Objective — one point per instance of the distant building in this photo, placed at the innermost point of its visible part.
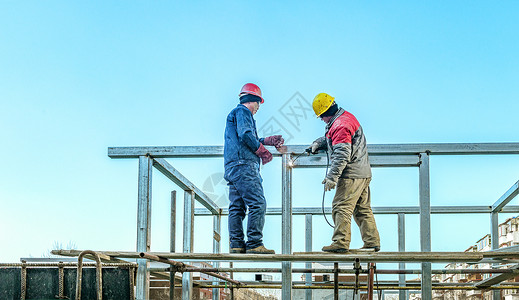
(508, 236)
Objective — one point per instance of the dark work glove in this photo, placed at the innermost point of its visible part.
(274, 140)
(264, 154)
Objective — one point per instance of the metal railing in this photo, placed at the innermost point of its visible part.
(394, 155)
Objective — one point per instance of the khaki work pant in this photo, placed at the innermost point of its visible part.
(353, 198)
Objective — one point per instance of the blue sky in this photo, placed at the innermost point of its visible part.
(79, 77)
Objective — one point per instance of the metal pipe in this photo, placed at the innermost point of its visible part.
(308, 248)
(401, 248)
(286, 225)
(336, 281)
(342, 271)
(425, 222)
(217, 221)
(99, 274)
(144, 225)
(172, 240)
(363, 287)
(389, 257)
(189, 206)
(391, 210)
(371, 273)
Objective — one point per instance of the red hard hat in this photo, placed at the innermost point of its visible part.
(252, 89)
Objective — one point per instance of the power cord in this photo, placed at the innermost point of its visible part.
(308, 151)
(324, 189)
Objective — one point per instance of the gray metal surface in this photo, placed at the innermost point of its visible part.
(373, 149)
(172, 240)
(496, 279)
(189, 206)
(401, 248)
(143, 226)
(170, 172)
(286, 226)
(319, 161)
(308, 248)
(217, 226)
(425, 223)
(276, 211)
(506, 198)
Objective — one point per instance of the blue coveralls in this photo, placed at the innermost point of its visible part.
(242, 172)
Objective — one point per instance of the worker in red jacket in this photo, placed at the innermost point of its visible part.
(349, 173)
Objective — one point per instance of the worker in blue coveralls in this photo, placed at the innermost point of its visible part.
(243, 151)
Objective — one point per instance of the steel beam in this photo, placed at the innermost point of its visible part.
(373, 149)
(189, 207)
(401, 248)
(143, 226)
(506, 198)
(308, 248)
(172, 240)
(286, 226)
(169, 171)
(217, 221)
(319, 161)
(276, 211)
(496, 279)
(425, 223)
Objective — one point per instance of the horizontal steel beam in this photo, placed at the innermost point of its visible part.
(320, 161)
(496, 279)
(373, 149)
(169, 171)
(276, 211)
(506, 198)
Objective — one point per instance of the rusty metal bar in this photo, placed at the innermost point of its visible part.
(181, 267)
(371, 273)
(99, 274)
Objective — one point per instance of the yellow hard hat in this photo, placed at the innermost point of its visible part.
(321, 103)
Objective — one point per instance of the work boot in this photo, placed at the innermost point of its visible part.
(335, 248)
(261, 250)
(237, 250)
(370, 248)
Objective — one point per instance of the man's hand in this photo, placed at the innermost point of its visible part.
(264, 154)
(329, 184)
(274, 140)
(314, 148)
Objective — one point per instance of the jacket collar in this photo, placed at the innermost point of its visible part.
(337, 114)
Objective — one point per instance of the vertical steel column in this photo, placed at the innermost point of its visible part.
(217, 221)
(494, 243)
(189, 222)
(143, 226)
(425, 223)
(286, 227)
(172, 240)
(401, 248)
(308, 248)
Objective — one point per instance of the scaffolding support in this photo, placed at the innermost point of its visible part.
(144, 226)
(172, 240)
(425, 223)
(308, 248)
(395, 155)
(286, 226)
(189, 207)
(217, 221)
(402, 294)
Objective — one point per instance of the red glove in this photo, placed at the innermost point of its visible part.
(274, 140)
(264, 154)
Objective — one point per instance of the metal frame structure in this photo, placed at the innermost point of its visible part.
(392, 155)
